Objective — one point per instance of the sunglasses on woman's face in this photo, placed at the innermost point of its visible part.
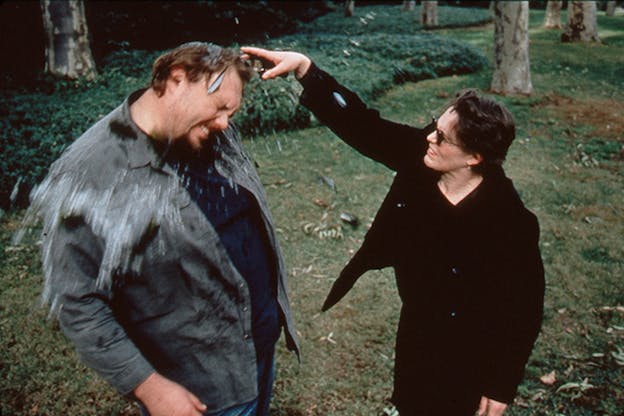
(440, 137)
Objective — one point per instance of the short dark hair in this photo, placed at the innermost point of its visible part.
(484, 126)
(198, 59)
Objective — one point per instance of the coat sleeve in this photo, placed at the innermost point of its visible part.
(521, 313)
(85, 315)
(396, 145)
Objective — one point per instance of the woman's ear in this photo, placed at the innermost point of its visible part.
(474, 160)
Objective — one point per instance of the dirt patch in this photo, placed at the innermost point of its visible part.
(606, 116)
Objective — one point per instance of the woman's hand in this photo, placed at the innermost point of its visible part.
(284, 62)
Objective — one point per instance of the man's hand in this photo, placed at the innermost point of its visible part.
(489, 407)
(284, 62)
(163, 397)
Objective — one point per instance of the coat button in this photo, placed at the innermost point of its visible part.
(453, 314)
(455, 271)
(401, 205)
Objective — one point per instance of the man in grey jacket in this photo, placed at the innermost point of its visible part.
(159, 251)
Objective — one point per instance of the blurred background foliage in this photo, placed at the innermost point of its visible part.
(41, 115)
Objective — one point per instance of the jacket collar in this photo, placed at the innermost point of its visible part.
(139, 146)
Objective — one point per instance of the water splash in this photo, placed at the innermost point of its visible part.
(120, 206)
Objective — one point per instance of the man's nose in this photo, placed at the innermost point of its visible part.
(220, 123)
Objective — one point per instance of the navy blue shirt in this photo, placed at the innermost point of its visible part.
(236, 216)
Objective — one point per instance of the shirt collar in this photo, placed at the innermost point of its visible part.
(139, 146)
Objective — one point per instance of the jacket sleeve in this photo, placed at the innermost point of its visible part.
(522, 301)
(85, 315)
(396, 145)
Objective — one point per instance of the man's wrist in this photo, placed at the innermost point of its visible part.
(144, 388)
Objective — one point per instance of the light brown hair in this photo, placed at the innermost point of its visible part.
(197, 59)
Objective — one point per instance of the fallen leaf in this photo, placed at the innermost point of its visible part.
(582, 386)
(321, 203)
(549, 379)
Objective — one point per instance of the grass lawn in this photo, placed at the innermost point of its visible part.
(567, 163)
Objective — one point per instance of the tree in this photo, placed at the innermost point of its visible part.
(349, 5)
(429, 13)
(67, 39)
(512, 73)
(552, 18)
(611, 8)
(582, 24)
(409, 5)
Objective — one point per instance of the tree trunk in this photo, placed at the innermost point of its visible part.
(582, 24)
(349, 5)
(429, 13)
(67, 39)
(611, 8)
(552, 18)
(409, 5)
(512, 72)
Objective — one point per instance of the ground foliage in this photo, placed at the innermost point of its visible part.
(567, 164)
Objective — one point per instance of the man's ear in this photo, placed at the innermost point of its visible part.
(177, 76)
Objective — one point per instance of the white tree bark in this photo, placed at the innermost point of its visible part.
(429, 13)
(409, 5)
(512, 72)
(552, 18)
(582, 24)
(349, 6)
(67, 49)
(611, 8)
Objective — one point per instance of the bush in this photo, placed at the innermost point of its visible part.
(37, 125)
(271, 106)
(390, 19)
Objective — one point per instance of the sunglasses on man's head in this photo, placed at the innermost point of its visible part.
(214, 85)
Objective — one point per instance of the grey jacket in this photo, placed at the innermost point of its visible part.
(137, 273)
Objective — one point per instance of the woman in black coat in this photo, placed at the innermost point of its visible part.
(463, 246)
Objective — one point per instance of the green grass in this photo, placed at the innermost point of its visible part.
(566, 164)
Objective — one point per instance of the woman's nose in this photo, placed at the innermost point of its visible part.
(431, 138)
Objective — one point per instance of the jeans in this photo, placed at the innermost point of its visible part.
(248, 409)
